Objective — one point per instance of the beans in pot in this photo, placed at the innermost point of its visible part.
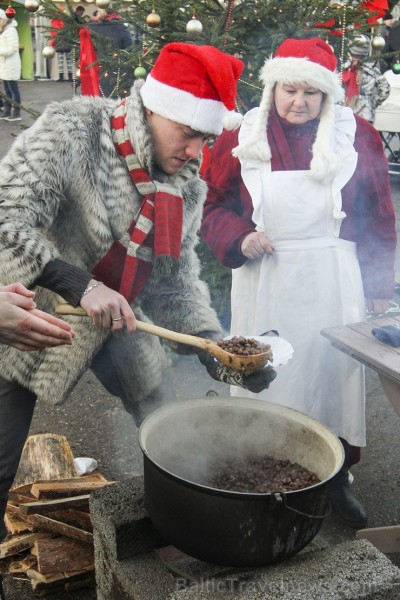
(261, 475)
(242, 346)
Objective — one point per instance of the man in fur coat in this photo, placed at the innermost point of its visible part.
(100, 204)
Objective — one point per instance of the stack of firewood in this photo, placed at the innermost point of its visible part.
(50, 539)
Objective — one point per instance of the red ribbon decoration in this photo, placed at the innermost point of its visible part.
(380, 7)
(89, 74)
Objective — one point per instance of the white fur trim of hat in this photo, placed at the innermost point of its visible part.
(195, 86)
(299, 61)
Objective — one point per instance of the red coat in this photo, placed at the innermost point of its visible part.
(370, 220)
(56, 24)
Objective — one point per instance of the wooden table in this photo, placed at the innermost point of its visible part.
(357, 341)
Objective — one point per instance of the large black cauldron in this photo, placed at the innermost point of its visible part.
(181, 440)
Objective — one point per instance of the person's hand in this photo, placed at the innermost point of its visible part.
(255, 382)
(255, 245)
(24, 327)
(377, 306)
(19, 288)
(108, 308)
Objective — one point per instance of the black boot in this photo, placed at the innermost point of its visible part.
(343, 503)
(6, 111)
(15, 115)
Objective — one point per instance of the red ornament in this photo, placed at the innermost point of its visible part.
(10, 12)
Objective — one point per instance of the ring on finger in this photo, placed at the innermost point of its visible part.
(117, 319)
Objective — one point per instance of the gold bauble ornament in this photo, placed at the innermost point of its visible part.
(31, 5)
(153, 19)
(48, 52)
(336, 4)
(194, 26)
(378, 42)
(78, 74)
(103, 3)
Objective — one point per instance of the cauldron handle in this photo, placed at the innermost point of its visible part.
(280, 498)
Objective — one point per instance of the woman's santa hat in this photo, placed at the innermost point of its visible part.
(310, 62)
(195, 86)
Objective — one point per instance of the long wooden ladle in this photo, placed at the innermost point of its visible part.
(235, 361)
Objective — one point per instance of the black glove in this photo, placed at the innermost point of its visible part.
(255, 382)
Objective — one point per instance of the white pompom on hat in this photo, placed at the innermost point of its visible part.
(195, 86)
(310, 62)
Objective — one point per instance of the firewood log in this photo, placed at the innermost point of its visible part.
(45, 456)
(65, 489)
(45, 506)
(20, 543)
(63, 554)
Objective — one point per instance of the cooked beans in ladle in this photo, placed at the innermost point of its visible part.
(243, 346)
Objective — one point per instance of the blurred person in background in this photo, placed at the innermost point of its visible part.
(10, 68)
(393, 42)
(79, 15)
(365, 86)
(109, 32)
(62, 68)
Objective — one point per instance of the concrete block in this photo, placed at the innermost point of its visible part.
(146, 577)
(350, 571)
(128, 569)
(142, 577)
(120, 519)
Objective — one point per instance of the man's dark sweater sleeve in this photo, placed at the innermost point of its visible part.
(64, 279)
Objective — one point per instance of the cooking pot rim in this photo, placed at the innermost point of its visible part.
(233, 401)
(183, 405)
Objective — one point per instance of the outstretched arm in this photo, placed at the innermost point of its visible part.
(26, 328)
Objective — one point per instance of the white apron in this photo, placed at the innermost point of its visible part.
(312, 281)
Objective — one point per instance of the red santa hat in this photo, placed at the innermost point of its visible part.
(312, 62)
(195, 86)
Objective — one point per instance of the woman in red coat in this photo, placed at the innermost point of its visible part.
(302, 213)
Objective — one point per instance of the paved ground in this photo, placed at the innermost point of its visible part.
(96, 425)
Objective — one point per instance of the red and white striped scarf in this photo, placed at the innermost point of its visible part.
(154, 237)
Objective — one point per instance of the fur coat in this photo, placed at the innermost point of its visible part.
(374, 89)
(65, 193)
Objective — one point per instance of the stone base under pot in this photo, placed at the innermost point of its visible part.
(134, 563)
